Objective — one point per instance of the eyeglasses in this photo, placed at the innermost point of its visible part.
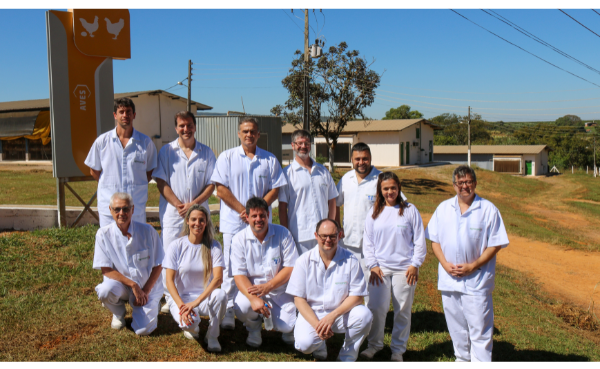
(302, 144)
(125, 209)
(324, 237)
(462, 183)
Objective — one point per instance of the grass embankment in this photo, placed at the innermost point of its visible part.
(49, 311)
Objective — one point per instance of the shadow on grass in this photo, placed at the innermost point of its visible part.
(421, 186)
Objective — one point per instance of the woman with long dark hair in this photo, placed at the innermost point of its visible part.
(194, 264)
(394, 248)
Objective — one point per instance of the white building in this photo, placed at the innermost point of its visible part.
(392, 142)
(531, 160)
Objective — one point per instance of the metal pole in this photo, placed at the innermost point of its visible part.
(60, 200)
(189, 102)
(469, 129)
(306, 103)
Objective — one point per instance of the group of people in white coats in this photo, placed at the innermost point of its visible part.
(309, 277)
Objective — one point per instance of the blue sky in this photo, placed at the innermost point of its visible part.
(434, 60)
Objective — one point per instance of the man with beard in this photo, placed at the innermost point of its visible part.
(309, 195)
(357, 190)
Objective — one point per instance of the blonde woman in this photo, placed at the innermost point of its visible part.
(394, 248)
(194, 265)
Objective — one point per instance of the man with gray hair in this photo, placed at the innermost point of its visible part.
(309, 195)
(467, 232)
(241, 173)
(130, 255)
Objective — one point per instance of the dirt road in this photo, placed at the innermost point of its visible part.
(569, 275)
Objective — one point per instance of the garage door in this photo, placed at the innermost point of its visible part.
(507, 166)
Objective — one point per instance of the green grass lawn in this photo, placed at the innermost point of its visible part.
(49, 311)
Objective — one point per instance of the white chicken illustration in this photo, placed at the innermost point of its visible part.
(90, 27)
(114, 28)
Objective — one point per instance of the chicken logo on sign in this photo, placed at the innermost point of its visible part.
(108, 31)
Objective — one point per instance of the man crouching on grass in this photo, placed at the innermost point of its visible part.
(130, 255)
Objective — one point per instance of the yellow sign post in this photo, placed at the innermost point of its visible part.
(81, 46)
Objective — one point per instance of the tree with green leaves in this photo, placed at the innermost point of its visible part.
(341, 84)
(569, 120)
(402, 112)
(455, 130)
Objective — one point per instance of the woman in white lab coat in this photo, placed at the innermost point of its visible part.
(194, 265)
(394, 248)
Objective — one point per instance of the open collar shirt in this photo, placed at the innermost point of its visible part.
(134, 257)
(261, 261)
(463, 238)
(245, 178)
(123, 168)
(326, 288)
(186, 177)
(307, 195)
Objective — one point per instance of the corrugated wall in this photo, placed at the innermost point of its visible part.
(220, 132)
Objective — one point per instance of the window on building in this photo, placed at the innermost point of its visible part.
(341, 153)
(418, 132)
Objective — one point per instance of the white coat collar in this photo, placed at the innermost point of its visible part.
(135, 135)
(258, 153)
(130, 229)
(297, 166)
(251, 236)
(476, 204)
(316, 256)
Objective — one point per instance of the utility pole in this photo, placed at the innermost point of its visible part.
(189, 102)
(594, 156)
(306, 105)
(469, 132)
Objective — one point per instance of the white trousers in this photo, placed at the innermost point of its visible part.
(106, 219)
(283, 312)
(394, 286)
(357, 252)
(305, 246)
(470, 320)
(355, 324)
(114, 294)
(168, 235)
(228, 284)
(214, 306)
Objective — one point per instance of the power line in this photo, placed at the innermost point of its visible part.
(491, 101)
(292, 20)
(245, 65)
(579, 22)
(489, 93)
(245, 73)
(220, 79)
(530, 53)
(539, 40)
(595, 12)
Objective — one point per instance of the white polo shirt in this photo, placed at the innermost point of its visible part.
(245, 178)
(185, 258)
(357, 200)
(326, 289)
(261, 262)
(186, 177)
(123, 169)
(307, 195)
(392, 241)
(134, 257)
(463, 238)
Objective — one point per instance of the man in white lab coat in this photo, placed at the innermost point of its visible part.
(328, 286)
(183, 179)
(262, 258)
(130, 255)
(241, 173)
(309, 195)
(122, 160)
(467, 232)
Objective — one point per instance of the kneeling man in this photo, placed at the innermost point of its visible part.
(262, 258)
(328, 284)
(130, 255)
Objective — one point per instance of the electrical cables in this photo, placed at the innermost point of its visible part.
(579, 22)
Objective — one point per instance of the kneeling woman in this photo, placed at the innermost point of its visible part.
(394, 248)
(194, 265)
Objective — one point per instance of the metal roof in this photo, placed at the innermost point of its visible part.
(490, 149)
(355, 126)
(44, 104)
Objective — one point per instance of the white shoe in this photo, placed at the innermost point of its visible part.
(228, 322)
(254, 339)
(118, 322)
(321, 352)
(369, 352)
(165, 309)
(288, 338)
(396, 356)
(190, 335)
(213, 343)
